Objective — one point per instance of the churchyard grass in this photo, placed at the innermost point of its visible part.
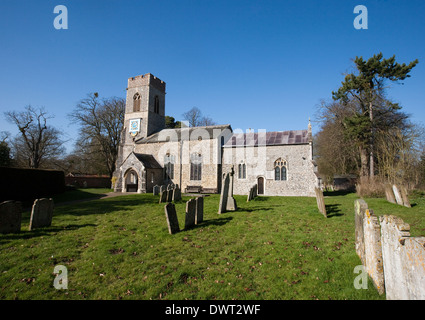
(80, 194)
(120, 248)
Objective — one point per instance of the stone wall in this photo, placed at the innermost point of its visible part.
(394, 260)
(260, 160)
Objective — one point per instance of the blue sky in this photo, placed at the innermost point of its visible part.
(251, 64)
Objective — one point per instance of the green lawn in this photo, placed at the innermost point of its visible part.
(119, 248)
(81, 194)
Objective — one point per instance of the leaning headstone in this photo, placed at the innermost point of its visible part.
(360, 207)
(41, 214)
(224, 194)
(10, 216)
(255, 190)
(389, 193)
(190, 214)
(171, 215)
(249, 197)
(155, 190)
(231, 202)
(162, 195)
(170, 193)
(320, 201)
(373, 260)
(404, 197)
(397, 195)
(177, 195)
(199, 216)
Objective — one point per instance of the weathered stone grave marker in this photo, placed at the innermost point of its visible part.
(224, 194)
(397, 195)
(404, 197)
(155, 190)
(190, 214)
(162, 194)
(171, 215)
(170, 195)
(389, 194)
(10, 216)
(199, 216)
(231, 202)
(41, 214)
(320, 201)
(177, 195)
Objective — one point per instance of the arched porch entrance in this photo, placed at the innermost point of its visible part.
(131, 181)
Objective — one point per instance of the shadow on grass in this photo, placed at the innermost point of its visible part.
(120, 203)
(332, 210)
(26, 234)
(337, 193)
(256, 209)
(212, 222)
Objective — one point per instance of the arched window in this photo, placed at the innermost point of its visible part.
(156, 105)
(136, 102)
(169, 167)
(242, 171)
(196, 166)
(280, 167)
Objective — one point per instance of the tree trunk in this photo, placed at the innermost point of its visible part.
(371, 161)
(363, 162)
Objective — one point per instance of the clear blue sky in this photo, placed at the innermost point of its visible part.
(251, 64)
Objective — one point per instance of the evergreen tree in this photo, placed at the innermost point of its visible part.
(367, 90)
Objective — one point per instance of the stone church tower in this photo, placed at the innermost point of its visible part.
(145, 106)
(144, 113)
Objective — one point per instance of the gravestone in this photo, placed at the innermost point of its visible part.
(162, 195)
(177, 195)
(231, 202)
(170, 193)
(224, 194)
(320, 201)
(397, 195)
(171, 216)
(199, 216)
(155, 190)
(389, 194)
(404, 197)
(360, 207)
(41, 214)
(249, 197)
(10, 216)
(190, 214)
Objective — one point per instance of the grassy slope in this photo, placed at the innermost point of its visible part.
(271, 248)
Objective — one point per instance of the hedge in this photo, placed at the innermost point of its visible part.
(29, 184)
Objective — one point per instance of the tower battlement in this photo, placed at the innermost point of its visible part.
(146, 80)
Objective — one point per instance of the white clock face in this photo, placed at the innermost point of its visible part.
(134, 125)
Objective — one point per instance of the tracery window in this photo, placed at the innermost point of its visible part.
(280, 169)
(242, 171)
(196, 166)
(169, 166)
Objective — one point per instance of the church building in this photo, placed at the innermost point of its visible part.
(196, 158)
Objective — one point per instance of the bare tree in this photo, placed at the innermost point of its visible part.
(37, 141)
(195, 118)
(101, 122)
